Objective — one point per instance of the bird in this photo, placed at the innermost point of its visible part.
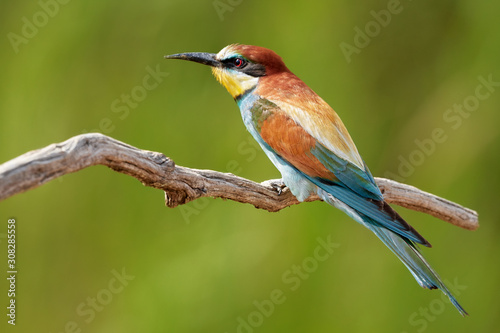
(310, 146)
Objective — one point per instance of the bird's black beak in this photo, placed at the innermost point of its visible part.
(201, 57)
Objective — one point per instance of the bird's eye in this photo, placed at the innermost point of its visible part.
(239, 63)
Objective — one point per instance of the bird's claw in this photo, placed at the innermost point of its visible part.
(278, 185)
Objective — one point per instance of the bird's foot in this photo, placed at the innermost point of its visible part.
(277, 184)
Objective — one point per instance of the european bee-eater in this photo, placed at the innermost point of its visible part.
(308, 143)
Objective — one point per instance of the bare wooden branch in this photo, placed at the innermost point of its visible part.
(182, 185)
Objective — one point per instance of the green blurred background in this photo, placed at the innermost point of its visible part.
(210, 265)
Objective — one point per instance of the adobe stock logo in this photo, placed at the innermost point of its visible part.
(453, 118)
(421, 319)
(222, 7)
(292, 278)
(247, 150)
(363, 38)
(31, 26)
(131, 99)
(88, 310)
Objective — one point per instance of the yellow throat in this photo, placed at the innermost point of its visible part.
(236, 83)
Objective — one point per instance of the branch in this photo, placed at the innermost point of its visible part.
(182, 185)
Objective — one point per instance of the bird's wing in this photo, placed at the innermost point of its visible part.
(325, 164)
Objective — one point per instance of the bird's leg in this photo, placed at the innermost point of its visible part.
(277, 184)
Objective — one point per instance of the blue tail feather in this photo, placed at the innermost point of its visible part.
(407, 252)
(404, 248)
(378, 210)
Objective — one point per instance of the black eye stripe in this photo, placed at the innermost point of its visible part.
(240, 64)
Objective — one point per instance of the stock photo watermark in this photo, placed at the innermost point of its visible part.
(123, 105)
(363, 36)
(87, 310)
(453, 117)
(248, 150)
(292, 279)
(420, 319)
(30, 26)
(223, 6)
(11, 271)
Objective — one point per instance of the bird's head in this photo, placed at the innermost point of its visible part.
(238, 67)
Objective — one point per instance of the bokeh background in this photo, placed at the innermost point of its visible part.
(211, 265)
